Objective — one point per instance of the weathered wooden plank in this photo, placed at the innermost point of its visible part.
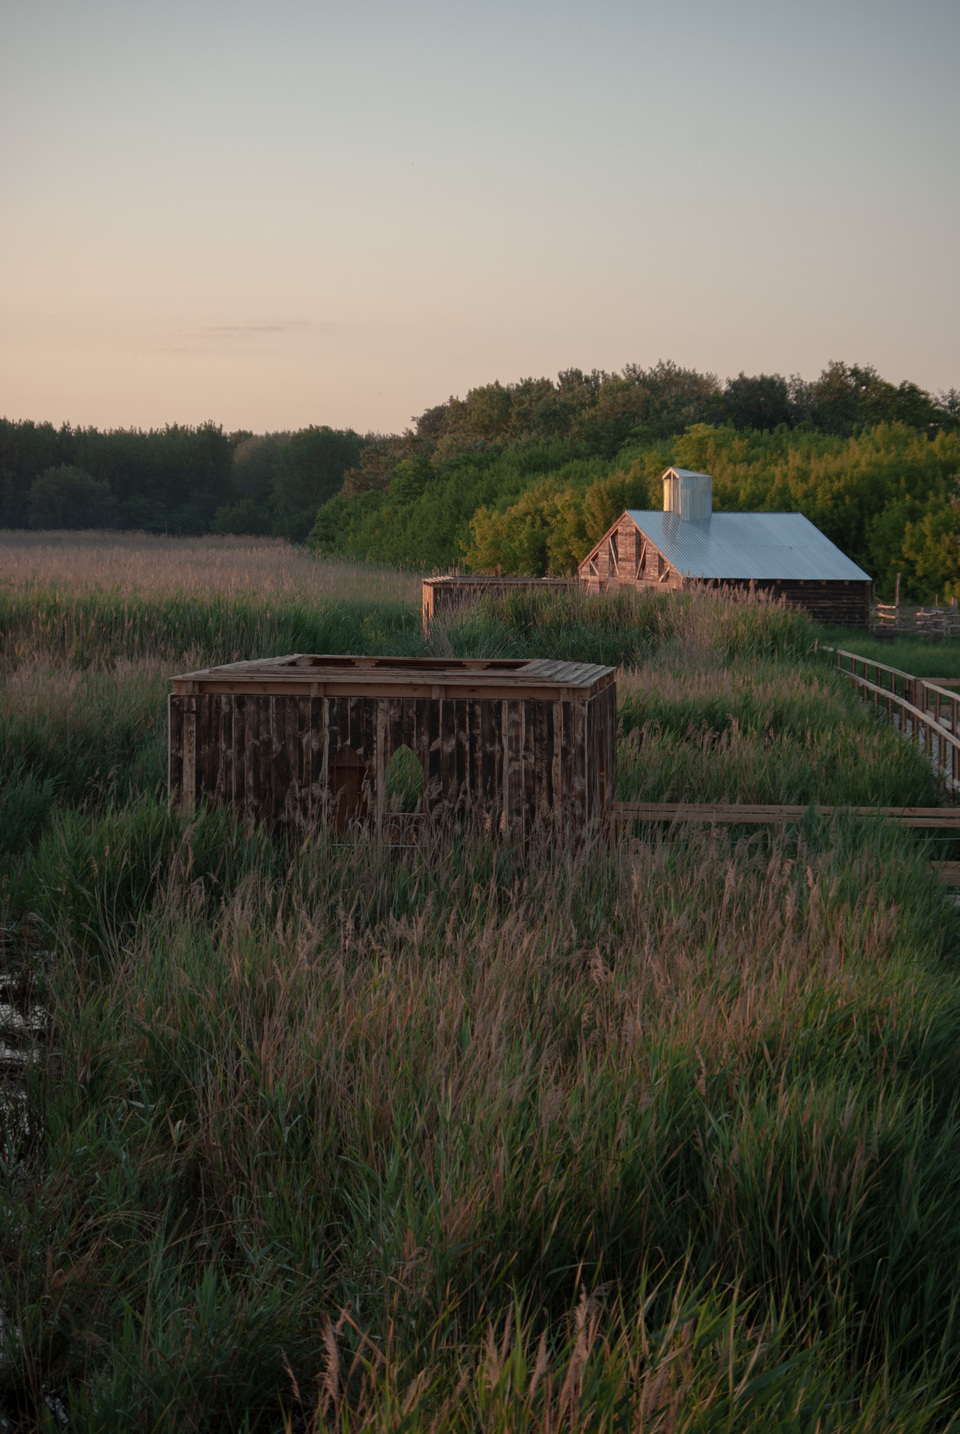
(238, 790)
(292, 801)
(203, 745)
(304, 751)
(512, 800)
(543, 773)
(749, 813)
(265, 759)
(188, 797)
(175, 749)
(461, 738)
(529, 764)
(224, 789)
(491, 753)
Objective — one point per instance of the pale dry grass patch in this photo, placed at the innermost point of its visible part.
(38, 686)
(154, 565)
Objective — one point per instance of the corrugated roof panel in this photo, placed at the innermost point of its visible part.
(742, 546)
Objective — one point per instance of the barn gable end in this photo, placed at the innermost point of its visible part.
(781, 553)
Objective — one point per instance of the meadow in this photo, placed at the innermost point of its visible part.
(658, 1137)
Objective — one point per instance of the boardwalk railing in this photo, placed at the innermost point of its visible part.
(625, 814)
(926, 711)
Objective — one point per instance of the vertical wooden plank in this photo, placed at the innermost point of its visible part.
(238, 795)
(251, 774)
(175, 749)
(307, 796)
(529, 763)
(461, 746)
(188, 799)
(265, 723)
(210, 759)
(512, 722)
(323, 718)
(385, 721)
(225, 769)
(203, 744)
(574, 769)
(291, 806)
(556, 767)
(434, 795)
(491, 740)
(543, 753)
(475, 755)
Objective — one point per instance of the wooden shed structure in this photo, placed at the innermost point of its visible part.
(301, 740)
(445, 596)
(781, 553)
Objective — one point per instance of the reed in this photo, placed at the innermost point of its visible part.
(657, 1137)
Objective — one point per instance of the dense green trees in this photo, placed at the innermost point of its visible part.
(67, 497)
(525, 476)
(176, 479)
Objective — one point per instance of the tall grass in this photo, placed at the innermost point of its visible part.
(661, 1137)
(446, 1119)
(150, 565)
(627, 627)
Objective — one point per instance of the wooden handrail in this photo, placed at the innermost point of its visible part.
(752, 813)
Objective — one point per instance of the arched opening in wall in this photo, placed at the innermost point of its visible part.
(348, 800)
(403, 780)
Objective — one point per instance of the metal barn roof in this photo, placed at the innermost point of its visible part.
(747, 545)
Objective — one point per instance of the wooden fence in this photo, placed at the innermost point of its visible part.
(925, 710)
(625, 814)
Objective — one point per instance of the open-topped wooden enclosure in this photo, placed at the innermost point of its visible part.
(301, 740)
(444, 597)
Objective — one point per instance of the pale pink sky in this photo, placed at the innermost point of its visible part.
(274, 215)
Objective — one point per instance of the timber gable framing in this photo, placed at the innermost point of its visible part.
(626, 556)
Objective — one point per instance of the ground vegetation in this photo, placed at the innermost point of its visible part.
(662, 1136)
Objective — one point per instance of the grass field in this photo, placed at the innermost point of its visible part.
(658, 1138)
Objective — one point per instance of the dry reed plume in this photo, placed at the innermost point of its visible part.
(151, 565)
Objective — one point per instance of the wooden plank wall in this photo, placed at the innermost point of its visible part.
(443, 600)
(627, 559)
(520, 762)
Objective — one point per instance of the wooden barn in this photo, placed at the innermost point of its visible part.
(443, 597)
(781, 553)
(297, 741)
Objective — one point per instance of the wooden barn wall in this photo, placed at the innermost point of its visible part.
(626, 559)
(519, 762)
(617, 563)
(839, 604)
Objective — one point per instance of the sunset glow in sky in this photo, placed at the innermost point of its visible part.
(275, 215)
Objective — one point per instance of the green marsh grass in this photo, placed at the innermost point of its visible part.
(656, 1138)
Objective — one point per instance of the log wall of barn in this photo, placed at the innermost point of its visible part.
(837, 603)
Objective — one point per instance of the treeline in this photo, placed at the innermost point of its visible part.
(172, 480)
(524, 478)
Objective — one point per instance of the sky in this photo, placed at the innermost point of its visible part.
(271, 215)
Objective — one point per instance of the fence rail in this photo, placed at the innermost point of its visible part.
(752, 813)
(747, 814)
(926, 711)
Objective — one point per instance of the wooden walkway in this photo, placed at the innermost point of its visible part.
(925, 711)
(625, 814)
